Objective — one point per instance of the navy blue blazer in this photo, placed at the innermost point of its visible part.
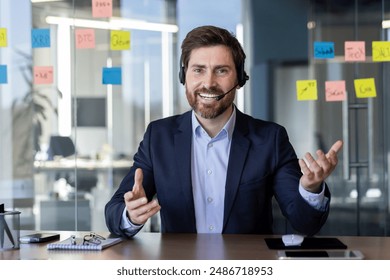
(262, 164)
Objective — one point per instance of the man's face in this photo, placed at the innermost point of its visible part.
(211, 72)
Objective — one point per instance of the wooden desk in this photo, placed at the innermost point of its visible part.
(156, 246)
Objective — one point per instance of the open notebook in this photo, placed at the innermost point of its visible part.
(67, 244)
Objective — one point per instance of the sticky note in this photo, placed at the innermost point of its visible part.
(365, 88)
(112, 75)
(307, 90)
(380, 51)
(40, 38)
(3, 74)
(43, 74)
(85, 38)
(323, 50)
(101, 8)
(354, 51)
(335, 91)
(120, 40)
(3, 37)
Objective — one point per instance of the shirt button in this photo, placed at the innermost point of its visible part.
(209, 199)
(210, 145)
(211, 228)
(209, 171)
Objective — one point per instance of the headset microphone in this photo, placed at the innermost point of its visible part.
(219, 97)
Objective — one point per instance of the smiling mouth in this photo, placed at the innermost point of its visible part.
(208, 96)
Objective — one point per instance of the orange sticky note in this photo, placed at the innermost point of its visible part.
(365, 88)
(101, 8)
(335, 91)
(380, 51)
(120, 40)
(85, 38)
(355, 51)
(307, 90)
(43, 74)
(3, 37)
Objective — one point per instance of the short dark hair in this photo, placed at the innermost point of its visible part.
(208, 35)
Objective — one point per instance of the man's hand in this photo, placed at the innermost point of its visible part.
(316, 171)
(137, 206)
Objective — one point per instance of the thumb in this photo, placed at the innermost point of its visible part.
(138, 189)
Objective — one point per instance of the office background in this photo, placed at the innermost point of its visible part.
(65, 145)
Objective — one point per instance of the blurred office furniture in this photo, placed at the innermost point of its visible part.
(61, 146)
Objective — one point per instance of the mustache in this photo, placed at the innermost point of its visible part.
(211, 90)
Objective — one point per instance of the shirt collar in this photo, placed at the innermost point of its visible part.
(228, 127)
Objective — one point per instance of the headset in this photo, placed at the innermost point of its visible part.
(242, 77)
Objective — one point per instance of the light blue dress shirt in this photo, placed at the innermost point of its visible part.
(209, 163)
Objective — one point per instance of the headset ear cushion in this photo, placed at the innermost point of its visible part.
(182, 77)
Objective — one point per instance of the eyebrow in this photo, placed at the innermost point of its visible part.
(204, 66)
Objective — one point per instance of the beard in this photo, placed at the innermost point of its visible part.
(209, 110)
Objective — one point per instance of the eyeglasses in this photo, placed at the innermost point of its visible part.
(93, 238)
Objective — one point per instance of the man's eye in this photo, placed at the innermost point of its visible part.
(222, 71)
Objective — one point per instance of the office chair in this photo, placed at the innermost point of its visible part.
(60, 146)
(63, 146)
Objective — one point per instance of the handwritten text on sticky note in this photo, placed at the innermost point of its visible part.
(3, 37)
(307, 90)
(335, 91)
(120, 40)
(85, 38)
(101, 8)
(365, 88)
(3, 74)
(380, 51)
(355, 51)
(323, 49)
(43, 74)
(40, 38)
(112, 75)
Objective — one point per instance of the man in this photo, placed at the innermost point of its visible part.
(214, 169)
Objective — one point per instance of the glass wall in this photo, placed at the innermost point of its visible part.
(83, 80)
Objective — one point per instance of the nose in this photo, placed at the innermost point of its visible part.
(209, 79)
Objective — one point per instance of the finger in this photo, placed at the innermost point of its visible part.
(313, 165)
(136, 203)
(336, 147)
(304, 168)
(141, 214)
(138, 189)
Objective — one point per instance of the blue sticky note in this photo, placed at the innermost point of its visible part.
(323, 49)
(3, 74)
(40, 38)
(112, 76)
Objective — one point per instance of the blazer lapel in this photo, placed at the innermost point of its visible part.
(183, 140)
(238, 153)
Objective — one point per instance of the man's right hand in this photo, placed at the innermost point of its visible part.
(139, 210)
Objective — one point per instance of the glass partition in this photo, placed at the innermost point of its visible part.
(84, 79)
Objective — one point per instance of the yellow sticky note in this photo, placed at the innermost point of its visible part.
(307, 90)
(120, 40)
(365, 88)
(3, 37)
(380, 51)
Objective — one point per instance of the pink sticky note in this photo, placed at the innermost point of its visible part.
(101, 8)
(85, 38)
(355, 51)
(335, 91)
(43, 74)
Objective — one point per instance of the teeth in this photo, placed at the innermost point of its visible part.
(207, 96)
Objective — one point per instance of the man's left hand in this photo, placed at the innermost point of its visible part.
(315, 171)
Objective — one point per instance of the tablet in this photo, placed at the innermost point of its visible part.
(39, 237)
(320, 254)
